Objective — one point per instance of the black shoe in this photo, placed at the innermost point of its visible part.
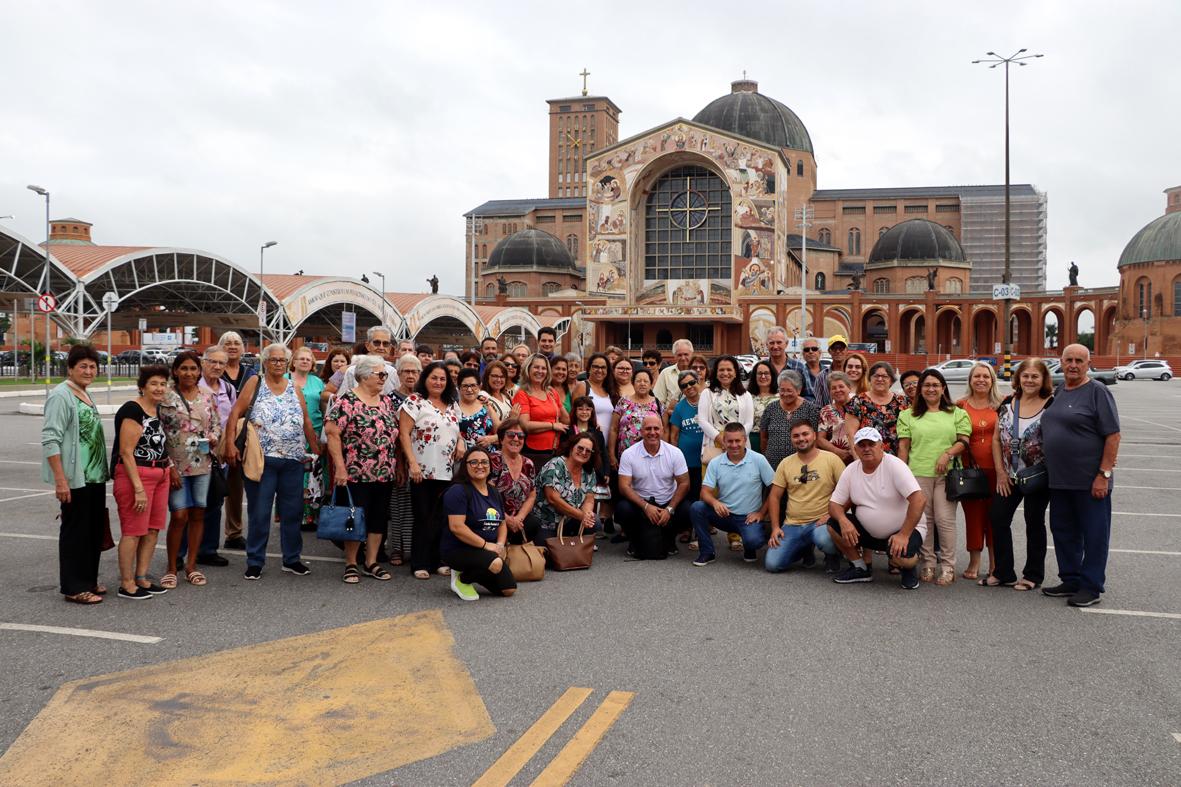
(155, 589)
(212, 560)
(750, 555)
(853, 574)
(307, 527)
(704, 560)
(140, 594)
(1084, 598)
(832, 564)
(1060, 591)
(809, 558)
(910, 579)
(299, 569)
(253, 572)
(609, 526)
(235, 543)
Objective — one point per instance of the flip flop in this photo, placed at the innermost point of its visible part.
(422, 573)
(1025, 584)
(195, 578)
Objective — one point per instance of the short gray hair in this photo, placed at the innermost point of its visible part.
(791, 376)
(376, 329)
(230, 336)
(213, 348)
(366, 365)
(777, 329)
(835, 375)
(409, 359)
(270, 348)
(683, 342)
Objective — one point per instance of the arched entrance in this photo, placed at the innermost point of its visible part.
(873, 328)
(947, 331)
(1051, 330)
(1107, 335)
(912, 329)
(984, 333)
(1021, 325)
(1084, 327)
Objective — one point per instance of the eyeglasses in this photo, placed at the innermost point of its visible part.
(514, 435)
(381, 375)
(697, 368)
(478, 463)
(511, 365)
(380, 343)
(598, 367)
(763, 373)
(811, 349)
(276, 360)
(650, 363)
(581, 449)
(687, 384)
(469, 387)
(879, 377)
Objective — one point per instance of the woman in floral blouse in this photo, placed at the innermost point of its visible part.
(478, 421)
(191, 429)
(567, 483)
(832, 435)
(629, 414)
(362, 432)
(878, 407)
(429, 431)
(513, 476)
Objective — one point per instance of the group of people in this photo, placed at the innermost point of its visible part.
(451, 460)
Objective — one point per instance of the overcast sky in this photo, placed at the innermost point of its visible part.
(356, 134)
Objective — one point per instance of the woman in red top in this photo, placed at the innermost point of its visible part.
(980, 404)
(541, 412)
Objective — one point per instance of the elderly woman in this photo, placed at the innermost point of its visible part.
(574, 366)
(140, 462)
(541, 411)
(401, 518)
(474, 541)
(236, 374)
(362, 431)
(931, 434)
(878, 407)
(429, 433)
(513, 475)
(192, 428)
(629, 415)
(280, 417)
(685, 433)
(832, 435)
(74, 452)
(303, 364)
(763, 390)
(477, 421)
(775, 426)
(567, 483)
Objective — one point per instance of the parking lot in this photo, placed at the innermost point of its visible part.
(630, 673)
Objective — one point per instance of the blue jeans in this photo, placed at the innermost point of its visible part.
(797, 538)
(1081, 526)
(281, 478)
(703, 516)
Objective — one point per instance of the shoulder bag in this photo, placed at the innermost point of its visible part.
(340, 523)
(247, 442)
(1030, 480)
(525, 560)
(966, 481)
(570, 553)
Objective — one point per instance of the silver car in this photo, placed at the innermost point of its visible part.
(1148, 369)
(956, 370)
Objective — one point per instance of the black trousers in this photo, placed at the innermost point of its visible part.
(372, 497)
(79, 544)
(1001, 516)
(648, 541)
(426, 499)
(866, 541)
(472, 564)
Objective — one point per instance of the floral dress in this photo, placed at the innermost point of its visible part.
(368, 437)
(832, 426)
(725, 407)
(186, 422)
(556, 475)
(513, 491)
(631, 417)
(883, 417)
(478, 424)
(434, 437)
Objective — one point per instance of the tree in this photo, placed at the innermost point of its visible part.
(1052, 335)
(1087, 340)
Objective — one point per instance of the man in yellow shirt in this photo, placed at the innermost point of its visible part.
(808, 476)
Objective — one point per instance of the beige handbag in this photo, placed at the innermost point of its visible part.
(251, 455)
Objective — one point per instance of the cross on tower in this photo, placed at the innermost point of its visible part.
(584, 75)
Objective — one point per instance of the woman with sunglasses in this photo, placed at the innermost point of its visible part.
(514, 374)
(764, 391)
(477, 422)
(476, 534)
(567, 484)
(685, 432)
(513, 476)
(362, 431)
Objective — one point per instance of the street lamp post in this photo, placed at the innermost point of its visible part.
(1145, 315)
(262, 305)
(803, 218)
(382, 275)
(48, 288)
(993, 60)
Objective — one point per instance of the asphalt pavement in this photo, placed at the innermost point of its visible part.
(726, 674)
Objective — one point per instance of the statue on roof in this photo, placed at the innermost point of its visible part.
(502, 285)
(1073, 274)
(855, 284)
(434, 282)
(931, 274)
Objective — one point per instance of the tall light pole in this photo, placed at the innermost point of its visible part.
(804, 216)
(48, 288)
(262, 303)
(1144, 314)
(993, 60)
(383, 322)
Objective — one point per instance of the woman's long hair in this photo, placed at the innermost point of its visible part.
(920, 402)
(736, 387)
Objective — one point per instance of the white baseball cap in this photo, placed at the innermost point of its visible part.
(867, 433)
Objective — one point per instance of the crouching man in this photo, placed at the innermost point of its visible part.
(888, 507)
(808, 478)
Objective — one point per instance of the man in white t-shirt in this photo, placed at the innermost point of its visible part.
(653, 484)
(889, 511)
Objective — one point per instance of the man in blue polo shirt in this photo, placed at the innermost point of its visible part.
(733, 497)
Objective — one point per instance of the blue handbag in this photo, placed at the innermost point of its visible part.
(341, 523)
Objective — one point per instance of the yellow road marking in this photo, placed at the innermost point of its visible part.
(570, 758)
(512, 761)
(325, 708)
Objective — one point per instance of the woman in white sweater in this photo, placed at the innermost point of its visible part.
(726, 400)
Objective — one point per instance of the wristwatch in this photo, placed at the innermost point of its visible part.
(1105, 473)
(670, 510)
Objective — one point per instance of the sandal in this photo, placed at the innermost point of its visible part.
(1026, 584)
(443, 571)
(99, 590)
(195, 578)
(945, 578)
(168, 581)
(85, 597)
(927, 574)
(992, 582)
(351, 576)
(377, 572)
(422, 573)
(396, 560)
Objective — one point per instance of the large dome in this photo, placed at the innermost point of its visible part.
(917, 239)
(1159, 240)
(749, 113)
(530, 248)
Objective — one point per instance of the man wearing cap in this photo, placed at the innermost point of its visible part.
(838, 345)
(889, 511)
(733, 497)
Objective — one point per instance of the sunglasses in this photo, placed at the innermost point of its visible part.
(514, 435)
(511, 365)
(811, 349)
(687, 384)
(378, 343)
(582, 449)
(650, 363)
(381, 375)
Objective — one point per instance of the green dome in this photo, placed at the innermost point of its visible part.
(1159, 240)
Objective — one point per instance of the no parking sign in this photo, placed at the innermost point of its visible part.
(46, 303)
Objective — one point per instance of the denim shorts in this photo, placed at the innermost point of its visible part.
(193, 492)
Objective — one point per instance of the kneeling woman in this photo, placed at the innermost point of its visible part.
(473, 543)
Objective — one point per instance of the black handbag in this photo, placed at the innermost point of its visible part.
(967, 481)
(340, 523)
(1030, 480)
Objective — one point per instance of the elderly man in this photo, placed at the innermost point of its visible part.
(812, 370)
(733, 497)
(777, 351)
(653, 485)
(838, 346)
(547, 342)
(1080, 435)
(808, 477)
(405, 347)
(889, 511)
(378, 341)
(668, 390)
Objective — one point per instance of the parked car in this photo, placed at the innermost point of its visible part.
(956, 370)
(1105, 376)
(1149, 369)
(128, 356)
(153, 356)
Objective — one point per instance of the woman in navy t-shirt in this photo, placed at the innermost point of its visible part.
(474, 541)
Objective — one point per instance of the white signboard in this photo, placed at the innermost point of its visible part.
(143, 324)
(162, 341)
(348, 327)
(1131, 348)
(110, 301)
(1006, 292)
